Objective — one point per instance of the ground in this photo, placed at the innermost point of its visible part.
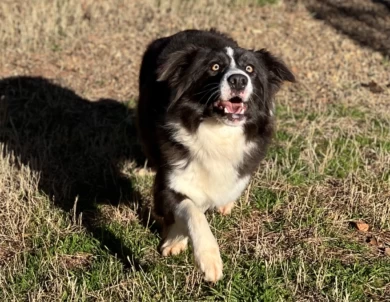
(75, 221)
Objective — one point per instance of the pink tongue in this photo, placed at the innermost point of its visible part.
(232, 107)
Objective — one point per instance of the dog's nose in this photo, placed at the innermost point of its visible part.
(237, 81)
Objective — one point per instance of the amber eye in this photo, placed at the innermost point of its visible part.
(215, 67)
(249, 69)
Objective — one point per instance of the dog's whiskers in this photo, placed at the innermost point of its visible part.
(207, 90)
(211, 96)
(213, 91)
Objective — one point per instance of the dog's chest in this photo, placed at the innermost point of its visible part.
(210, 176)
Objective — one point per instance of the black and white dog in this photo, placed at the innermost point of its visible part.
(205, 118)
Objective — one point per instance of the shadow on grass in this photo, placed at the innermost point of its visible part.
(367, 22)
(78, 146)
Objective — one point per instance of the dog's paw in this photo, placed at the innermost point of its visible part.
(226, 209)
(144, 172)
(174, 247)
(210, 263)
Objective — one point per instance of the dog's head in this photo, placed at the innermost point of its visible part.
(231, 84)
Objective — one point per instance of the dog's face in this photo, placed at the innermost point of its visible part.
(232, 85)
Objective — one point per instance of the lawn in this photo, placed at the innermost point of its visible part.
(75, 218)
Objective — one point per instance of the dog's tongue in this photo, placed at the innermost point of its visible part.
(232, 107)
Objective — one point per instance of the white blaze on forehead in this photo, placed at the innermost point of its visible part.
(226, 92)
(230, 53)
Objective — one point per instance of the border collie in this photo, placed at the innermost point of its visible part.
(205, 118)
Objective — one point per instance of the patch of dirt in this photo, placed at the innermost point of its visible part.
(8, 249)
(79, 260)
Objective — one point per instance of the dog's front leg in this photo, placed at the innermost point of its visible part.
(206, 250)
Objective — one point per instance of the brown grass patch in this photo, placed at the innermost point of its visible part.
(76, 261)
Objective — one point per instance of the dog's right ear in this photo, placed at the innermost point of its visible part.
(278, 69)
(174, 66)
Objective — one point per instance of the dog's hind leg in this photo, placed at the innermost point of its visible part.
(175, 239)
(226, 209)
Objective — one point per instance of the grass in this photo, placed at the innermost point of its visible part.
(75, 214)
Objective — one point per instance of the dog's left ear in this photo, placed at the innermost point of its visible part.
(174, 65)
(175, 71)
(279, 72)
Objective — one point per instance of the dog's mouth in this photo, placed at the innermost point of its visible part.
(234, 108)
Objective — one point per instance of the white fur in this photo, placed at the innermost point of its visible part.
(176, 239)
(206, 251)
(271, 111)
(211, 178)
(226, 92)
(230, 53)
(226, 209)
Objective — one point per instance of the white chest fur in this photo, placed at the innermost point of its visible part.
(210, 177)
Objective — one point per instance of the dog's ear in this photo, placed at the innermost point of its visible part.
(278, 70)
(172, 68)
(180, 70)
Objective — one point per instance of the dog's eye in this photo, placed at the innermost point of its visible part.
(249, 68)
(215, 67)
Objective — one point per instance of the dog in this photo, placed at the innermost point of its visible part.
(205, 119)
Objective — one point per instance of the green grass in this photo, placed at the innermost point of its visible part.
(289, 237)
(266, 199)
(275, 257)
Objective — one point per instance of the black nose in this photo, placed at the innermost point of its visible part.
(237, 81)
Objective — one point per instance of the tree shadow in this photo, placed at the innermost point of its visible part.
(77, 146)
(365, 21)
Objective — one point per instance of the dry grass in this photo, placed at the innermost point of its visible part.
(74, 212)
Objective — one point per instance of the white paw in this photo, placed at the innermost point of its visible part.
(174, 247)
(226, 209)
(210, 263)
(144, 172)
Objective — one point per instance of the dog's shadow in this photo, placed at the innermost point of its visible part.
(76, 145)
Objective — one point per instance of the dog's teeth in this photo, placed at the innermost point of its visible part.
(226, 111)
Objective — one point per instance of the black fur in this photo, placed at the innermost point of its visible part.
(174, 78)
